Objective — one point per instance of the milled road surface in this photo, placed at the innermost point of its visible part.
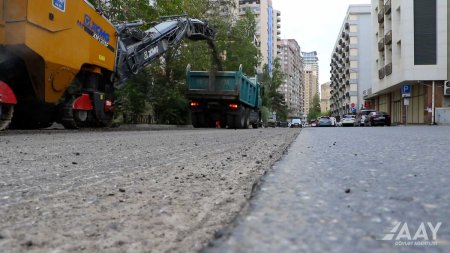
(156, 191)
(343, 189)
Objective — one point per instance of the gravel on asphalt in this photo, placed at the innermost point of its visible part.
(128, 191)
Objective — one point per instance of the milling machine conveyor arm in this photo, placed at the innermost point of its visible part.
(138, 49)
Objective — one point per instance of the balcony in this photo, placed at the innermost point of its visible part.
(388, 38)
(387, 7)
(388, 69)
(381, 73)
(381, 16)
(381, 45)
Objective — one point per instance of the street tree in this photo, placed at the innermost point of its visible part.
(314, 110)
(273, 99)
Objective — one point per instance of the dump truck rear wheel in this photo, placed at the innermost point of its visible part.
(239, 120)
(247, 118)
(6, 114)
(198, 120)
(230, 121)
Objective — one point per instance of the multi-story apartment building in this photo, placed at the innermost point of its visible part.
(325, 95)
(268, 23)
(410, 42)
(351, 70)
(311, 65)
(276, 35)
(292, 65)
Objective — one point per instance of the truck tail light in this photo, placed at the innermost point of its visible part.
(233, 106)
(109, 107)
(195, 104)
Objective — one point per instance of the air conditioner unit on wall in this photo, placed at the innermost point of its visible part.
(447, 88)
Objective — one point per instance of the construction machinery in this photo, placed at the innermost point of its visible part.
(61, 60)
(223, 99)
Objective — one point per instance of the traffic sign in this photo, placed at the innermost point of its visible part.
(406, 88)
(406, 101)
(353, 110)
(353, 105)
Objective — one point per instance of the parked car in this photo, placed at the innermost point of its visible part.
(325, 121)
(296, 123)
(333, 121)
(361, 117)
(348, 120)
(313, 123)
(282, 124)
(379, 119)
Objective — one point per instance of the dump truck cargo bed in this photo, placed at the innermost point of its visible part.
(231, 85)
(223, 99)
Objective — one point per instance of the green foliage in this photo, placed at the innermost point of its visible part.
(237, 43)
(327, 113)
(265, 114)
(272, 98)
(314, 110)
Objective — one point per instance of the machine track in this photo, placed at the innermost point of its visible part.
(6, 114)
(67, 119)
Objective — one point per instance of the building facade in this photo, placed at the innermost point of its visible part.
(293, 86)
(311, 66)
(268, 24)
(410, 41)
(325, 95)
(351, 69)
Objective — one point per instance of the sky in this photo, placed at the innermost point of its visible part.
(315, 25)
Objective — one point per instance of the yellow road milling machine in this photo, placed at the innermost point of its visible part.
(61, 60)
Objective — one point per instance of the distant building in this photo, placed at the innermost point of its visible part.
(293, 86)
(268, 24)
(311, 64)
(351, 67)
(325, 95)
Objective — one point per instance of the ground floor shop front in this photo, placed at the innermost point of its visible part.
(419, 107)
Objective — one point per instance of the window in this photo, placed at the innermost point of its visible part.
(425, 32)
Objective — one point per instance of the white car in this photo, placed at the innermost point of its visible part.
(348, 120)
(296, 123)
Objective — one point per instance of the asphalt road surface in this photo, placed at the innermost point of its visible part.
(346, 189)
(128, 191)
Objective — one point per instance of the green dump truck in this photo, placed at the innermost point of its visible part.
(225, 99)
